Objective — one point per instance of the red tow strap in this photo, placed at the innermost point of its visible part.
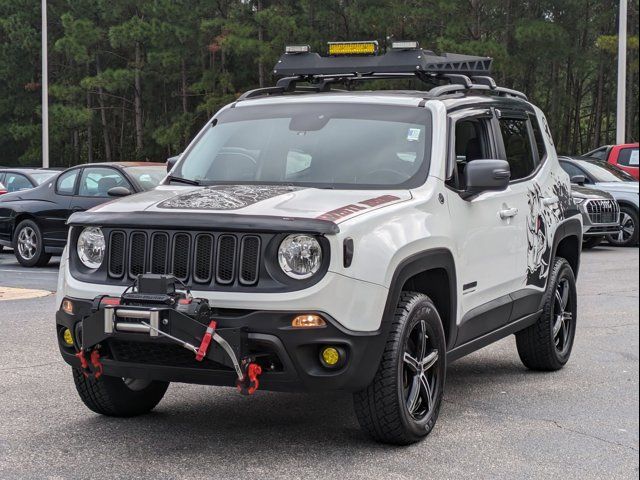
(206, 340)
(94, 358)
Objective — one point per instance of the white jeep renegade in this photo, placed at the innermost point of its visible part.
(311, 238)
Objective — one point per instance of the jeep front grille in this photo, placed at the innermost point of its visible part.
(603, 211)
(193, 257)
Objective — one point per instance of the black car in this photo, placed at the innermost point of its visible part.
(33, 222)
(17, 179)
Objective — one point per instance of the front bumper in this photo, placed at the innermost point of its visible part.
(291, 357)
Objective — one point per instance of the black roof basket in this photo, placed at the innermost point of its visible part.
(394, 61)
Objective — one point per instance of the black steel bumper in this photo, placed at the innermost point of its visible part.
(290, 358)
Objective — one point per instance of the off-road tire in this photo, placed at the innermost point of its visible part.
(380, 407)
(537, 343)
(632, 240)
(40, 257)
(112, 397)
(591, 242)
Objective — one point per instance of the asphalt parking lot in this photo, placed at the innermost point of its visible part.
(498, 419)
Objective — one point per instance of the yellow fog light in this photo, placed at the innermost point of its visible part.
(308, 321)
(67, 337)
(67, 306)
(332, 357)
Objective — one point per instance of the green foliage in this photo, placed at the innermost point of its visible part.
(195, 56)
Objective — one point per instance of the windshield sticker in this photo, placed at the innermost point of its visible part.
(413, 135)
(226, 197)
(347, 210)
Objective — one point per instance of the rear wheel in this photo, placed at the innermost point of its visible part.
(547, 344)
(591, 242)
(628, 234)
(119, 397)
(28, 245)
(402, 403)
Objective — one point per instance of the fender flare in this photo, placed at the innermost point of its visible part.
(571, 227)
(437, 258)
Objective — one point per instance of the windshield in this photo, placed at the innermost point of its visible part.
(605, 172)
(323, 145)
(147, 177)
(42, 177)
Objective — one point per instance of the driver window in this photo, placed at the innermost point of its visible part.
(96, 182)
(470, 144)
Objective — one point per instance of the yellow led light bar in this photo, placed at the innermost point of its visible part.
(353, 48)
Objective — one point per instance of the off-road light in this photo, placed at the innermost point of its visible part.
(331, 357)
(67, 306)
(405, 45)
(308, 321)
(353, 48)
(297, 49)
(300, 256)
(91, 246)
(67, 337)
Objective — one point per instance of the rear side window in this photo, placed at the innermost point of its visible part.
(517, 145)
(628, 157)
(537, 135)
(67, 182)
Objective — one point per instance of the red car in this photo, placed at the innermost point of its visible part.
(623, 156)
(3, 190)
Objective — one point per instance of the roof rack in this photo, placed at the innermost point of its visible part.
(300, 65)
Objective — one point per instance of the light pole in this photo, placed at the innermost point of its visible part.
(622, 73)
(45, 90)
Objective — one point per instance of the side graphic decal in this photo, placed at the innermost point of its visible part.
(541, 223)
(226, 197)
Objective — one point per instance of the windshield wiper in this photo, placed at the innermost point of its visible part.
(173, 178)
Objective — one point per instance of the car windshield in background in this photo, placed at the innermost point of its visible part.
(42, 177)
(605, 172)
(313, 144)
(148, 177)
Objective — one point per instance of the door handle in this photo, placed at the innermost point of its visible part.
(550, 201)
(508, 213)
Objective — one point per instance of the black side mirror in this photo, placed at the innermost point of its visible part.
(579, 179)
(118, 192)
(486, 175)
(171, 162)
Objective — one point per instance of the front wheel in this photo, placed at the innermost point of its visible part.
(28, 245)
(402, 403)
(628, 234)
(546, 345)
(119, 397)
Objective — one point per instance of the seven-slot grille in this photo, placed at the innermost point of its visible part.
(603, 211)
(202, 257)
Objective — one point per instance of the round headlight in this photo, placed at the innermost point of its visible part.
(300, 256)
(91, 246)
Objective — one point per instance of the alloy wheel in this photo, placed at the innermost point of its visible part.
(627, 228)
(27, 243)
(563, 316)
(420, 372)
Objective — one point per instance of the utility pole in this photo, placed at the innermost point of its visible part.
(622, 73)
(45, 90)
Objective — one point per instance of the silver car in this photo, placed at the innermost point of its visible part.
(596, 174)
(600, 214)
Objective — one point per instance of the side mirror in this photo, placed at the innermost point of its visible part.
(579, 179)
(171, 162)
(118, 192)
(486, 175)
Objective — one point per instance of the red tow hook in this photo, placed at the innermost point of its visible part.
(250, 383)
(206, 340)
(94, 357)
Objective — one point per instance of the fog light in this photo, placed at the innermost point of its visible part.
(67, 337)
(67, 306)
(308, 321)
(332, 357)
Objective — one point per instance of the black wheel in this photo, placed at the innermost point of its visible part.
(591, 242)
(119, 397)
(402, 403)
(28, 246)
(628, 235)
(547, 344)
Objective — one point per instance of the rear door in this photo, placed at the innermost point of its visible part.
(54, 216)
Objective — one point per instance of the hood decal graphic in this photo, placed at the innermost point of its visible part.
(226, 197)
